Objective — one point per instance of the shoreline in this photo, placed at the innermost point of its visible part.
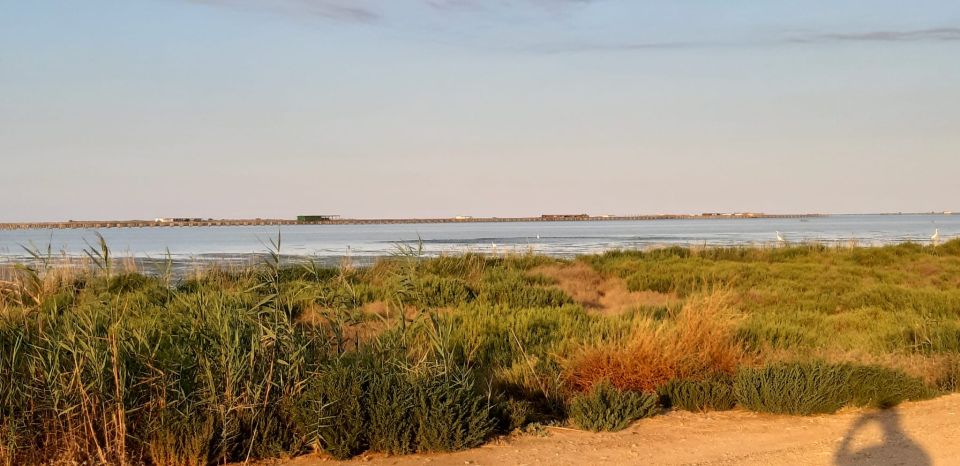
(88, 224)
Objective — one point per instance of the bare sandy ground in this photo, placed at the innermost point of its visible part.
(919, 433)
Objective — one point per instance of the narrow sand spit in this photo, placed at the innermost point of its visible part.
(919, 433)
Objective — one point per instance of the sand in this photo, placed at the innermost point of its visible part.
(926, 432)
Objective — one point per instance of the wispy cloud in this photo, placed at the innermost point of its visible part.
(370, 10)
(345, 10)
(917, 35)
(574, 47)
(933, 34)
(479, 4)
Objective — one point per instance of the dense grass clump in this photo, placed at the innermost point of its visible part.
(802, 389)
(606, 408)
(331, 410)
(357, 404)
(882, 387)
(818, 387)
(710, 394)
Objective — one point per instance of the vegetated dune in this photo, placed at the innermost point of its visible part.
(107, 364)
(916, 433)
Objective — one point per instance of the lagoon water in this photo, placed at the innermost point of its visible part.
(331, 242)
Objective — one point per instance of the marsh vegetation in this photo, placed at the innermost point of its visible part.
(102, 363)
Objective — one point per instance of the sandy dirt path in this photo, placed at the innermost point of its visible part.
(919, 433)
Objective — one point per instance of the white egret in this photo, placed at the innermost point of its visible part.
(780, 238)
(936, 235)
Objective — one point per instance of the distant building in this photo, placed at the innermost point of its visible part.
(179, 219)
(564, 216)
(462, 217)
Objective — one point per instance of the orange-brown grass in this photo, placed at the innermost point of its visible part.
(606, 295)
(700, 342)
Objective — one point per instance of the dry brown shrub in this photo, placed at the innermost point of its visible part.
(699, 343)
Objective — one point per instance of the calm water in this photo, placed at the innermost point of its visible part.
(553, 238)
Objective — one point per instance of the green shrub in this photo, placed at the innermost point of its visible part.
(882, 387)
(713, 394)
(390, 402)
(441, 292)
(330, 412)
(818, 387)
(450, 413)
(797, 388)
(605, 408)
(516, 295)
(514, 414)
(360, 403)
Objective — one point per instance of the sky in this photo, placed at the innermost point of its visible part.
(135, 109)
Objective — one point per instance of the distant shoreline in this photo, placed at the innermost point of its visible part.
(333, 220)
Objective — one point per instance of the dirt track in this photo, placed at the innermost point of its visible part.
(915, 433)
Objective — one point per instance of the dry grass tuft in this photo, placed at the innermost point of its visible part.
(699, 343)
(606, 295)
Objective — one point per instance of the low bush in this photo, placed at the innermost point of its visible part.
(797, 388)
(712, 394)
(882, 387)
(520, 296)
(450, 414)
(356, 404)
(440, 292)
(817, 387)
(390, 402)
(605, 408)
(515, 414)
(330, 412)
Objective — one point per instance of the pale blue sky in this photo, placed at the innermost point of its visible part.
(273, 108)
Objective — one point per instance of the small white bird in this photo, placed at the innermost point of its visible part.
(538, 235)
(936, 235)
(780, 238)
